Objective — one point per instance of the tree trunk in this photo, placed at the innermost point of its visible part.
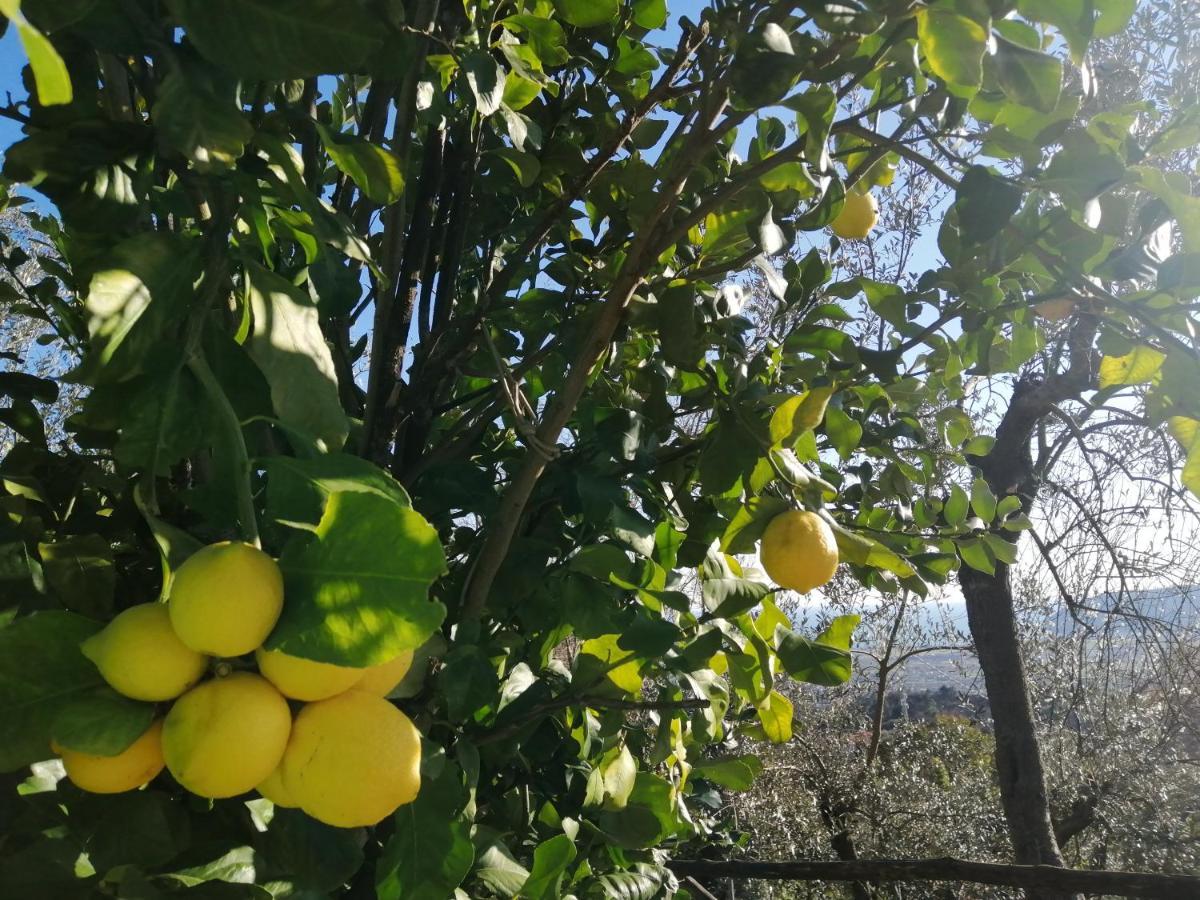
(1018, 757)
(1009, 469)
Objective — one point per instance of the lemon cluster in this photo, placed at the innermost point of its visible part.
(348, 758)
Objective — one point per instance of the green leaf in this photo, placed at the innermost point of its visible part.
(545, 36)
(983, 501)
(298, 488)
(953, 45)
(650, 14)
(430, 852)
(378, 172)
(497, 868)
(1112, 16)
(956, 506)
(49, 71)
(976, 554)
(1073, 18)
(290, 349)
(1028, 77)
(588, 13)
(862, 550)
(525, 165)
(358, 588)
(844, 432)
(737, 773)
(315, 855)
(275, 40)
(825, 660)
(796, 415)
(144, 288)
(204, 124)
(775, 714)
(486, 79)
(101, 722)
(984, 204)
(41, 672)
(1003, 550)
(550, 860)
(750, 521)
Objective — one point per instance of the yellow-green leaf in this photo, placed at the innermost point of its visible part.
(49, 70)
(1139, 366)
(775, 714)
(799, 414)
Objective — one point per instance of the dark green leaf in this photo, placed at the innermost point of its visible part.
(358, 588)
(79, 569)
(275, 40)
(468, 681)
(101, 722)
(205, 125)
(984, 204)
(41, 671)
(313, 854)
(143, 289)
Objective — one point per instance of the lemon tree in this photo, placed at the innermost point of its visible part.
(415, 478)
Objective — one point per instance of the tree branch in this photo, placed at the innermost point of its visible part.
(1121, 884)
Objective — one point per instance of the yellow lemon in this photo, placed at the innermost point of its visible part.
(857, 218)
(1056, 309)
(274, 791)
(226, 736)
(305, 679)
(226, 598)
(352, 760)
(131, 768)
(799, 550)
(140, 656)
(382, 679)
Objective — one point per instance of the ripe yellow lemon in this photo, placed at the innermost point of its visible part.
(131, 768)
(352, 760)
(140, 656)
(1056, 309)
(226, 736)
(382, 679)
(226, 598)
(857, 218)
(799, 550)
(305, 679)
(274, 791)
